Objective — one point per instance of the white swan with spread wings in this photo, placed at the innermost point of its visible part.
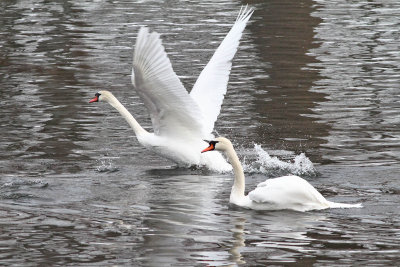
(180, 120)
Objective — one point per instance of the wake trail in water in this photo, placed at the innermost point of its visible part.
(18, 188)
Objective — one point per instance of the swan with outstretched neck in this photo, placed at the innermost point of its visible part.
(180, 120)
(287, 192)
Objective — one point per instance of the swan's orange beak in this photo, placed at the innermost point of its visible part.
(211, 147)
(95, 99)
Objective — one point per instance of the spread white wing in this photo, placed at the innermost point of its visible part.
(173, 112)
(210, 88)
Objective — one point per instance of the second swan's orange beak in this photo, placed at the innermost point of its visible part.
(211, 147)
(95, 99)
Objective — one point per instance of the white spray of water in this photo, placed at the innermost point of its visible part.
(106, 165)
(271, 165)
(257, 161)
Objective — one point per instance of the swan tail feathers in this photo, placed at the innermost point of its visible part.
(335, 205)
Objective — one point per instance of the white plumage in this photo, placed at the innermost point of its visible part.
(210, 88)
(287, 192)
(180, 120)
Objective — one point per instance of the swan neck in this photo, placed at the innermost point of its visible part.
(239, 182)
(113, 101)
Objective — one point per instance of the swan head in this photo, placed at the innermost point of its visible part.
(220, 144)
(101, 96)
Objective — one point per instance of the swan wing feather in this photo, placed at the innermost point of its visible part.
(171, 108)
(210, 87)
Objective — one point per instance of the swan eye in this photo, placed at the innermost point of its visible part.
(211, 142)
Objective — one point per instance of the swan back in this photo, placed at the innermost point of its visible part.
(288, 192)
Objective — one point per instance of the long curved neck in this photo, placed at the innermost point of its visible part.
(128, 116)
(239, 182)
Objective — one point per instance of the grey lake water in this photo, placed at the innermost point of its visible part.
(314, 91)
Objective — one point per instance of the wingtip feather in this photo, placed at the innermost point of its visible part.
(245, 13)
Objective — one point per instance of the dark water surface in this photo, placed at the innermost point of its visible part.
(314, 77)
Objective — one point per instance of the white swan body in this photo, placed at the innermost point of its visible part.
(183, 150)
(180, 120)
(287, 192)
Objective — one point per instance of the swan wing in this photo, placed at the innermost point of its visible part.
(173, 112)
(210, 87)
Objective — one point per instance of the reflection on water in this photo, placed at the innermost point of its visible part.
(283, 40)
(312, 77)
(43, 117)
(359, 60)
(238, 242)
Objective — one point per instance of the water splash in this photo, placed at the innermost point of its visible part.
(273, 166)
(106, 165)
